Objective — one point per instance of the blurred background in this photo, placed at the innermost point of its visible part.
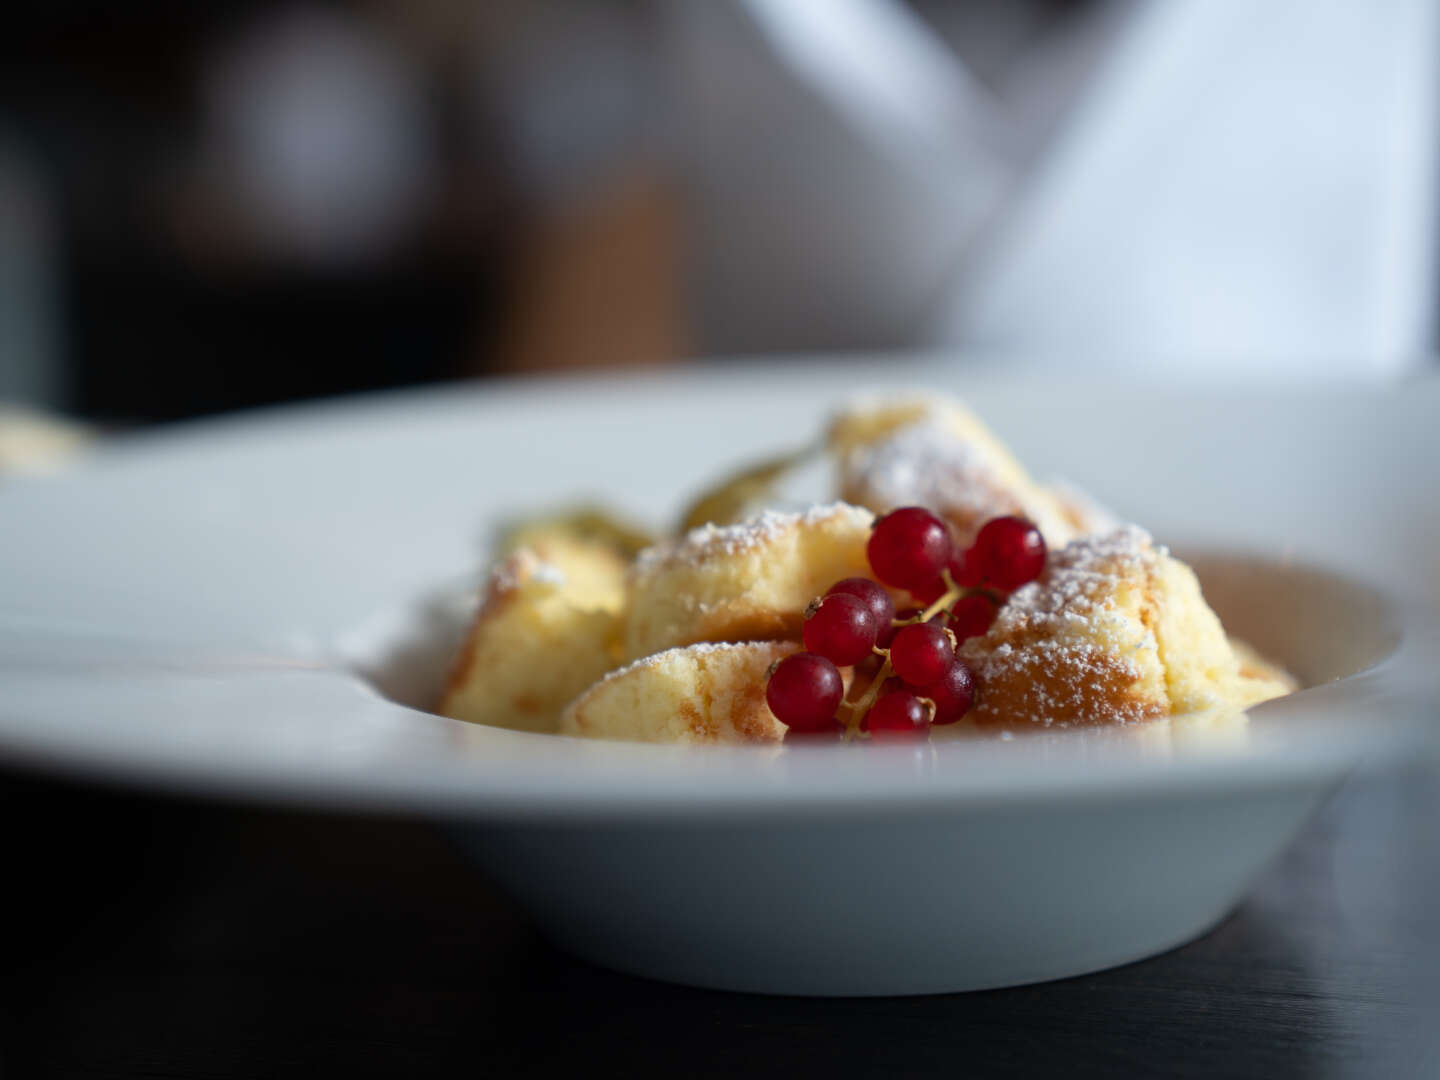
(205, 207)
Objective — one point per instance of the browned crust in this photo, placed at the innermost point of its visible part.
(1074, 685)
(464, 661)
(695, 721)
(581, 717)
(1250, 669)
(498, 596)
(752, 719)
(527, 703)
(1042, 689)
(751, 625)
(748, 714)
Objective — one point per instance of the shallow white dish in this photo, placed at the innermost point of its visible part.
(197, 610)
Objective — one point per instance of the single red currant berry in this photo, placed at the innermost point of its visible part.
(928, 594)
(891, 685)
(971, 616)
(840, 628)
(876, 599)
(898, 714)
(804, 691)
(922, 653)
(954, 694)
(965, 569)
(1010, 551)
(909, 547)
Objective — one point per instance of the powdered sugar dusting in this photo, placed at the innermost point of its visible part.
(548, 574)
(521, 568)
(704, 648)
(507, 576)
(1080, 575)
(1054, 654)
(709, 541)
(928, 464)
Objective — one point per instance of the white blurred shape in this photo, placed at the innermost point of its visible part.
(320, 127)
(840, 161)
(882, 69)
(1249, 185)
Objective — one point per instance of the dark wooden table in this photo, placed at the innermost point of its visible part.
(159, 937)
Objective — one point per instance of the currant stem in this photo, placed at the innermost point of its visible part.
(952, 593)
(859, 708)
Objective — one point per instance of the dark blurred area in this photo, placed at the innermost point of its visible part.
(159, 937)
(211, 206)
(244, 202)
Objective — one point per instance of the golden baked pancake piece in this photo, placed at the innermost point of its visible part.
(1201, 669)
(868, 423)
(593, 526)
(593, 571)
(1078, 645)
(745, 582)
(935, 453)
(1261, 679)
(548, 626)
(703, 693)
(1115, 629)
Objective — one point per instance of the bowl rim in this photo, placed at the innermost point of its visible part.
(510, 776)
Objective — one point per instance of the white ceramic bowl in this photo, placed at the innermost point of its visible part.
(224, 607)
(916, 873)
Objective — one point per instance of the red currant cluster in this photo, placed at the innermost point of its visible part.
(916, 678)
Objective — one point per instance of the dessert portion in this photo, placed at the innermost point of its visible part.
(865, 424)
(593, 526)
(695, 693)
(949, 588)
(1268, 680)
(937, 454)
(744, 582)
(1115, 628)
(548, 626)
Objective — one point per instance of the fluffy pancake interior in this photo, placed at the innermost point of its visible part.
(695, 693)
(546, 629)
(750, 581)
